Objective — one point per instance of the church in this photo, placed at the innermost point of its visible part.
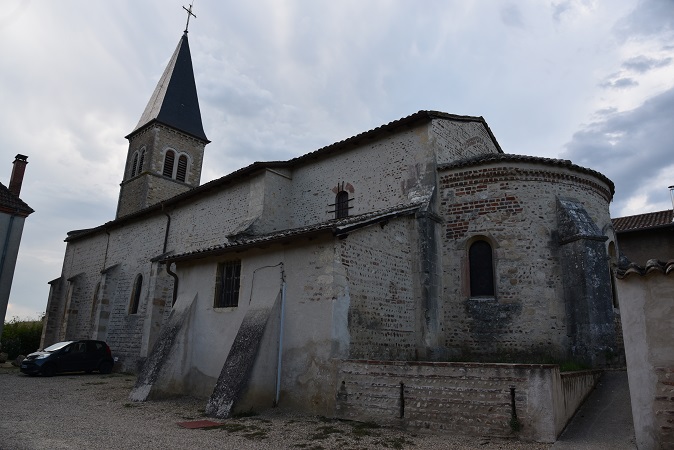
(418, 241)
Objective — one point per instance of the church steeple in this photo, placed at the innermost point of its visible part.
(166, 147)
(174, 102)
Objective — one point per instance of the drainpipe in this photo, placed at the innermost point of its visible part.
(175, 283)
(280, 336)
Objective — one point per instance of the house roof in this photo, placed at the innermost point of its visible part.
(11, 204)
(337, 227)
(652, 266)
(410, 121)
(174, 101)
(641, 222)
(504, 157)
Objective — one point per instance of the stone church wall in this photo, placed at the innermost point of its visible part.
(459, 140)
(371, 182)
(70, 307)
(513, 207)
(207, 220)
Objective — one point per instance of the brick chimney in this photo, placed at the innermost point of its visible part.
(19, 168)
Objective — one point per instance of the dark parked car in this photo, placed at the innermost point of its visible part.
(69, 356)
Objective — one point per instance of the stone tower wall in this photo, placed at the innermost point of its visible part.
(151, 186)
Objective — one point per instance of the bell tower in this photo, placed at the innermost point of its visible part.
(166, 148)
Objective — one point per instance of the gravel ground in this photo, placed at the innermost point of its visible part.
(93, 412)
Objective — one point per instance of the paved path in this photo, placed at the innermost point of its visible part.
(605, 419)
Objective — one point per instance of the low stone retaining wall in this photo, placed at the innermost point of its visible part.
(531, 401)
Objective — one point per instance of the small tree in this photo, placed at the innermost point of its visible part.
(21, 337)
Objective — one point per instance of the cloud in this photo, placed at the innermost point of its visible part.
(619, 83)
(631, 148)
(650, 18)
(643, 64)
(511, 15)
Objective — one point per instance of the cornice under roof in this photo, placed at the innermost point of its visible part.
(505, 157)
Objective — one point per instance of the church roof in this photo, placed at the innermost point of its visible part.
(174, 101)
(646, 221)
(337, 227)
(11, 204)
(505, 157)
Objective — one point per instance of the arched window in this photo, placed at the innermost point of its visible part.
(140, 161)
(342, 205)
(135, 294)
(169, 159)
(481, 266)
(182, 168)
(135, 163)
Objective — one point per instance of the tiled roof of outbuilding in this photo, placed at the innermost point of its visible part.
(646, 221)
(652, 266)
(11, 204)
(505, 157)
(335, 226)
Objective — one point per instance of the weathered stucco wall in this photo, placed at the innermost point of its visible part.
(529, 401)
(382, 273)
(647, 313)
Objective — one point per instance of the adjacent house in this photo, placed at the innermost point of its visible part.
(13, 213)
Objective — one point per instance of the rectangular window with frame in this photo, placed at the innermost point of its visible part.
(227, 284)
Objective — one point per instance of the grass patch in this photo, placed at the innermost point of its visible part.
(396, 443)
(361, 429)
(324, 432)
(256, 435)
(244, 414)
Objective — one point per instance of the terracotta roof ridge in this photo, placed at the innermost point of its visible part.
(655, 219)
(652, 266)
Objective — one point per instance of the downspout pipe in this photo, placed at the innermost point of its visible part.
(280, 336)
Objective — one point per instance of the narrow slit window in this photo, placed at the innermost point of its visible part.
(481, 269)
(135, 294)
(227, 284)
(342, 205)
(169, 159)
(133, 166)
(182, 168)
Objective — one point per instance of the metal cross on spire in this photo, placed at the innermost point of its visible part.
(189, 13)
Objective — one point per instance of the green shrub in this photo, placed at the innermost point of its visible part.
(21, 337)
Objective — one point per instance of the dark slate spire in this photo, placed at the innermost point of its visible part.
(174, 101)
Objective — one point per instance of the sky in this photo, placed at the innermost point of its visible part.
(586, 80)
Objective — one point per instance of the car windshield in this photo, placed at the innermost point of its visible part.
(57, 346)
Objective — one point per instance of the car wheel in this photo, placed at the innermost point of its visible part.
(49, 370)
(105, 367)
